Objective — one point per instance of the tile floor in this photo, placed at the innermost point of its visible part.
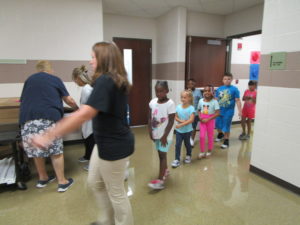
(215, 191)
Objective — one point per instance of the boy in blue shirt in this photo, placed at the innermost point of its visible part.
(227, 96)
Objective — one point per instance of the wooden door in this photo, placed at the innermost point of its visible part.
(140, 94)
(205, 60)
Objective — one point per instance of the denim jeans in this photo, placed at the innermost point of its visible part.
(186, 138)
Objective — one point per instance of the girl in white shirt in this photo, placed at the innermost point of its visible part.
(81, 78)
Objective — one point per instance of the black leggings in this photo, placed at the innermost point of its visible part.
(89, 144)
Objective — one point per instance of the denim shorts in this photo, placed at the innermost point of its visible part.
(161, 148)
(223, 122)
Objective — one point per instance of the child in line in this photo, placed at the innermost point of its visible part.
(185, 117)
(81, 78)
(227, 96)
(248, 112)
(161, 127)
(197, 95)
(209, 109)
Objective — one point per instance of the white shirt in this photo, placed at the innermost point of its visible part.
(160, 118)
(87, 127)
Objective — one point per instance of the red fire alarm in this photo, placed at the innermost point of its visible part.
(239, 46)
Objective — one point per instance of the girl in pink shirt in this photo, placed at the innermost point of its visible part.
(248, 112)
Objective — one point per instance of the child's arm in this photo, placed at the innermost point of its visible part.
(239, 106)
(150, 125)
(252, 99)
(217, 113)
(177, 118)
(163, 139)
(184, 123)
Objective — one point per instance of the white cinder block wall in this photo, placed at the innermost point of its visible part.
(240, 59)
(130, 27)
(244, 21)
(52, 30)
(276, 141)
(171, 35)
(205, 25)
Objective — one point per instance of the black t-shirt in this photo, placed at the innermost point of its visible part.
(112, 134)
(42, 98)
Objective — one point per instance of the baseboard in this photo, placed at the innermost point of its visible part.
(275, 180)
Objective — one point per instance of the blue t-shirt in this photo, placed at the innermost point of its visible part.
(197, 95)
(226, 96)
(42, 98)
(185, 114)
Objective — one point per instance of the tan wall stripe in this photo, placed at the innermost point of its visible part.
(18, 73)
(240, 71)
(288, 78)
(168, 71)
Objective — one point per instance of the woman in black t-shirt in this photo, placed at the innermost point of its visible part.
(107, 105)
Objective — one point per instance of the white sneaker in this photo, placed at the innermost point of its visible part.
(192, 142)
(225, 144)
(201, 155)
(188, 159)
(208, 153)
(86, 167)
(157, 184)
(219, 137)
(175, 163)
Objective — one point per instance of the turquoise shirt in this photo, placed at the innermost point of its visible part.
(185, 114)
(208, 108)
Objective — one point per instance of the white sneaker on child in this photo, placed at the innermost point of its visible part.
(175, 163)
(208, 153)
(157, 184)
(188, 159)
(201, 155)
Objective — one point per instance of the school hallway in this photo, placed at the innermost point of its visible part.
(217, 190)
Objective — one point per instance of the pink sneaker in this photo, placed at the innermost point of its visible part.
(156, 184)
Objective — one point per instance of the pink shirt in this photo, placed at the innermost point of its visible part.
(249, 104)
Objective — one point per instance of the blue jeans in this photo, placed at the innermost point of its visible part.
(186, 138)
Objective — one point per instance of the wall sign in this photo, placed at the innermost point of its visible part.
(278, 61)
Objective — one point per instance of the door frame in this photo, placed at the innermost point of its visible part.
(143, 39)
(229, 46)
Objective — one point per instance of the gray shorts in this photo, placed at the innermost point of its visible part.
(33, 127)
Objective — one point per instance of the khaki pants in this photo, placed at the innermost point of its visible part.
(106, 179)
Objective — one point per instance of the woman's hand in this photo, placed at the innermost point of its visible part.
(41, 141)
